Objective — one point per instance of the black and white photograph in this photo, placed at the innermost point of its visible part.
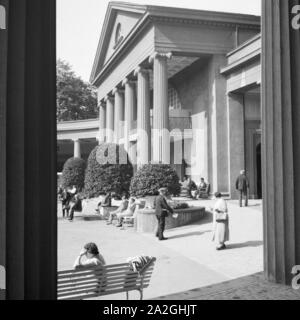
(149, 151)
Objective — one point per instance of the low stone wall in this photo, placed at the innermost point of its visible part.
(146, 221)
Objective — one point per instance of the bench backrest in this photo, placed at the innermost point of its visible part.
(101, 281)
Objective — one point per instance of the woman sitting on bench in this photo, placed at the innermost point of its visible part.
(92, 257)
(128, 213)
(121, 209)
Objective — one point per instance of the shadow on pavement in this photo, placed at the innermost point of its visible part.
(191, 234)
(244, 245)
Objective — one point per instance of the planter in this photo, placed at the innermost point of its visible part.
(146, 221)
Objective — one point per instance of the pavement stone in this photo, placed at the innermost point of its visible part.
(188, 265)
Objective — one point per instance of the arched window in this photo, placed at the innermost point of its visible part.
(118, 36)
(174, 101)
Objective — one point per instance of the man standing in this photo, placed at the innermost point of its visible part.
(161, 211)
(242, 185)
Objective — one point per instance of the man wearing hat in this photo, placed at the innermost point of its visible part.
(242, 185)
(161, 211)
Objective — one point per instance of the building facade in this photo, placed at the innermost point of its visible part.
(182, 87)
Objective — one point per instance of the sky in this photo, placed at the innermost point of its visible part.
(79, 24)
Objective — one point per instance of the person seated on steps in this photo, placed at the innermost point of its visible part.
(201, 191)
(123, 207)
(128, 213)
(104, 203)
(187, 187)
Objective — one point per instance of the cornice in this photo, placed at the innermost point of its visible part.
(157, 14)
(203, 22)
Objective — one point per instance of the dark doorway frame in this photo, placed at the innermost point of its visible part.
(258, 172)
(28, 138)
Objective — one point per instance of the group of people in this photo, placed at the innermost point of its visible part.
(70, 201)
(190, 189)
(162, 211)
(126, 208)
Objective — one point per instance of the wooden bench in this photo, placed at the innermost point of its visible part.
(205, 193)
(129, 221)
(102, 281)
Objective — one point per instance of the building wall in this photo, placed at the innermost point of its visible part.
(127, 21)
(202, 90)
(198, 38)
(192, 87)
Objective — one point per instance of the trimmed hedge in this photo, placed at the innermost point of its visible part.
(151, 177)
(73, 173)
(106, 177)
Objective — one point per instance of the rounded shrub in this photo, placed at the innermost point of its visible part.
(108, 170)
(151, 177)
(73, 173)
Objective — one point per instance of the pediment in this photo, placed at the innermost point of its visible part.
(119, 21)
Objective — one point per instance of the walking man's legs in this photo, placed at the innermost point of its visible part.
(71, 214)
(241, 198)
(161, 227)
(246, 198)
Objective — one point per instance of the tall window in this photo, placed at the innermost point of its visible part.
(118, 37)
(174, 101)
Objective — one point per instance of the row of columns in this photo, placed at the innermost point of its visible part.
(130, 101)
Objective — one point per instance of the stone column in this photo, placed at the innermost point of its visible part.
(129, 110)
(77, 151)
(119, 113)
(109, 119)
(161, 136)
(236, 139)
(102, 127)
(218, 136)
(143, 117)
(281, 143)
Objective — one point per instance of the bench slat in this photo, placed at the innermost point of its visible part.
(106, 267)
(81, 275)
(98, 272)
(94, 273)
(69, 291)
(131, 279)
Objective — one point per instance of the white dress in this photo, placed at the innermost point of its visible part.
(221, 229)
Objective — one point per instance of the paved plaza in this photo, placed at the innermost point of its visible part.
(187, 261)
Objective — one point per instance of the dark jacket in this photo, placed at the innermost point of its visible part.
(161, 206)
(106, 202)
(242, 183)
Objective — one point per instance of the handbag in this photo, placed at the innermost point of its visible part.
(221, 216)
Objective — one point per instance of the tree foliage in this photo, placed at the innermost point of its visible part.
(73, 173)
(76, 99)
(151, 177)
(110, 177)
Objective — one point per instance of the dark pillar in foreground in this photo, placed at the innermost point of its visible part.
(31, 151)
(281, 142)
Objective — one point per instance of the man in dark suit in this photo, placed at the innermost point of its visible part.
(242, 185)
(161, 210)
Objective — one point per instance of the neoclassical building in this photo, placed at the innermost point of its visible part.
(178, 86)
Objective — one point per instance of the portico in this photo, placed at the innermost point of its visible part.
(160, 90)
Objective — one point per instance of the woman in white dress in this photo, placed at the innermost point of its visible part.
(220, 222)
